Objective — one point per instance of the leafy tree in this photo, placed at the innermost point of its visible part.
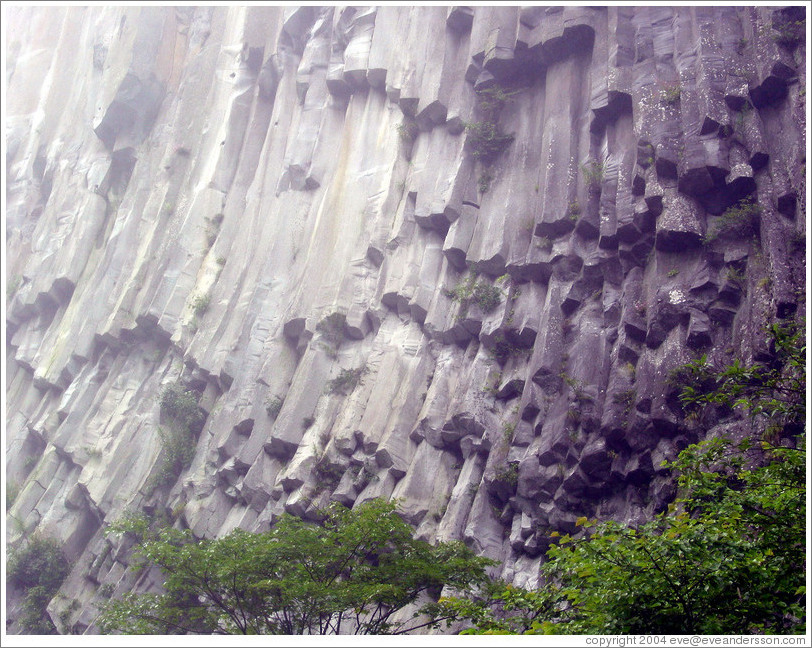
(774, 391)
(501, 609)
(727, 557)
(349, 574)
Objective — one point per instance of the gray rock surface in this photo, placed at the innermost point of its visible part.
(253, 200)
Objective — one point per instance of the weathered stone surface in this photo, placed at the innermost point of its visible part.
(280, 207)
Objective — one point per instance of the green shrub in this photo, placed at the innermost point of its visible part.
(408, 130)
(178, 439)
(328, 475)
(593, 174)
(38, 568)
(346, 381)
(670, 95)
(178, 447)
(470, 291)
(573, 417)
(105, 591)
(180, 406)
(486, 140)
(574, 209)
(273, 406)
(200, 304)
(486, 296)
(332, 332)
(509, 475)
(789, 33)
(501, 349)
(626, 398)
(484, 182)
(213, 228)
(65, 615)
(492, 100)
(739, 221)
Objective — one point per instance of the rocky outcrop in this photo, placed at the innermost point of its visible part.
(282, 210)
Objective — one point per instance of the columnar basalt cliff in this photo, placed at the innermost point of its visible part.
(444, 255)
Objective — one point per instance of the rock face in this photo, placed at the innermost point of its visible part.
(282, 210)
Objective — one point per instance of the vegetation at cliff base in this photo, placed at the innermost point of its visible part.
(350, 573)
(727, 557)
(38, 568)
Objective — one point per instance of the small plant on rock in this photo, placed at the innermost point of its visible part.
(486, 296)
(736, 277)
(486, 140)
(501, 349)
(545, 243)
(184, 420)
(408, 130)
(593, 174)
(328, 475)
(180, 405)
(484, 182)
(670, 94)
(626, 399)
(213, 228)
(200, 304)
(346, 381)
(332, 332)
(739, 222)
(470, 291)
(789, 33)
(273, 406)
(509, 475)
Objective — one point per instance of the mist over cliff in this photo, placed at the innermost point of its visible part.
(448, 256)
